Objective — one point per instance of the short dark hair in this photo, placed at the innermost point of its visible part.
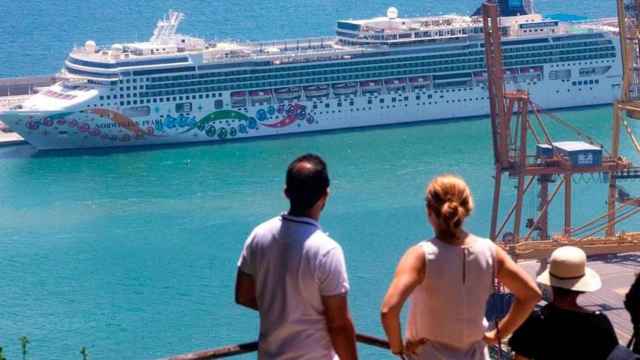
(564, 293)
(306, 184)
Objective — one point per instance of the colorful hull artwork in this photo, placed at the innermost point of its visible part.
(111, 128)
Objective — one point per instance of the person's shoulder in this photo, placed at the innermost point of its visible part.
(600, 318)
(268, 226)
(482, 241)
(322, 242)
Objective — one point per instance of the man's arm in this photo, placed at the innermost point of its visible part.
(246, 290)
(340, 326)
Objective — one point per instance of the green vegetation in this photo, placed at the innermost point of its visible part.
(24, 343)
(83, 352)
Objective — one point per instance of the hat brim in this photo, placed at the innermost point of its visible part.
(588, 283)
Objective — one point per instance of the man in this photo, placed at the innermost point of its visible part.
(563, 329)
(295, 276)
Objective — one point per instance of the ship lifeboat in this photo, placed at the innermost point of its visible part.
(420, 82)
(260, 95)
(531, 73)
(370, 86)
(239, 99)
(511, 72)
(315, 91)
(288, 93)
(348, 88)
(480, 75)
(395, 84)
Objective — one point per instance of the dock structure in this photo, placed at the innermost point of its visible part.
(28, 85)
(513, 130)
(14, 91)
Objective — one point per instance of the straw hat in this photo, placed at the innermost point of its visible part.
(568, 269)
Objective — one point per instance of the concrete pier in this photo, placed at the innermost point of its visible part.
(11, 138)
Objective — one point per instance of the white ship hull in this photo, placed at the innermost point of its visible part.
(97, 127)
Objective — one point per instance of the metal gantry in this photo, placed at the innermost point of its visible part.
(512, 130)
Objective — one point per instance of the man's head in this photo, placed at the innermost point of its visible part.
(307, 184)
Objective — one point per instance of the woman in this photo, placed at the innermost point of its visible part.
(567, 330)
(450, 278)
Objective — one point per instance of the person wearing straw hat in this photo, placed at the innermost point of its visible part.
(563, 329)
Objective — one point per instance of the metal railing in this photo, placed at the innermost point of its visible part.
(240, 349)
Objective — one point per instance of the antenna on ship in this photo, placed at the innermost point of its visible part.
(166, 27)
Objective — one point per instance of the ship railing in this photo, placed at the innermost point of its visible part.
(595, 21)
(245, 348)
(322, 42)
(292, 54)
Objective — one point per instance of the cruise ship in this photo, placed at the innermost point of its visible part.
(385, 70)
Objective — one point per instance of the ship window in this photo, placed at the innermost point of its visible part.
(218, 104)
(128, 102)
(135, 102)
(183, 107)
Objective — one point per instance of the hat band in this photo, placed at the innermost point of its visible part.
(567, 277)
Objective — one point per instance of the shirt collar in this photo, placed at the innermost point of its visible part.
(300, 220)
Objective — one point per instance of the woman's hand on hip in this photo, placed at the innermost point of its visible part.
(412, 345)
(490, 337)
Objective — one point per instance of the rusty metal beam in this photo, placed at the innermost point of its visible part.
(567, 204)
(544, 209)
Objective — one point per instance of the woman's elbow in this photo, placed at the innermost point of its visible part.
(533, 296)
(388, 312)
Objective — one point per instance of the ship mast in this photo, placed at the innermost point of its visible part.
(167, 27)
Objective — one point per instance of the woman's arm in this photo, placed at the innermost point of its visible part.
(409, 274)
(524, 289)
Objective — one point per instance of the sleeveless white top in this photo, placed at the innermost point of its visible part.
(448, 307)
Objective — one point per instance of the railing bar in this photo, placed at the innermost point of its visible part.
(373, 341)
(233, 350)
(225, 351)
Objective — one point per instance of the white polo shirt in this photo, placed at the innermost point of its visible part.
(294, 263)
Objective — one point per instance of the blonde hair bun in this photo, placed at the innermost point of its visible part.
(450, 200)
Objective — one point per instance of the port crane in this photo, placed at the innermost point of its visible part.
(516, 121)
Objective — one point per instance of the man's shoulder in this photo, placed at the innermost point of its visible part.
(268, 226)
(322, 242)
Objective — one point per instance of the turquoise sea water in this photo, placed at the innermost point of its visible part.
(132, 253)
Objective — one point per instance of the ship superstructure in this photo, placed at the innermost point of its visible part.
(387, 70)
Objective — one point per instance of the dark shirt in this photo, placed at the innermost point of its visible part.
(555, 333)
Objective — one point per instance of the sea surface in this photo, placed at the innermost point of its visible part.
(132, 253)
